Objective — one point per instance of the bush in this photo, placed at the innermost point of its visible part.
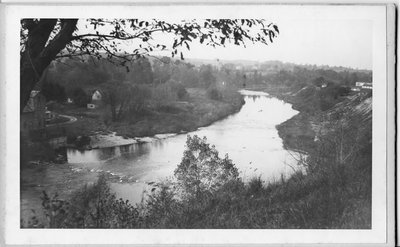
(35, 151)
(54, 91)
(139, 98)
(255, 185)
(168, 92)
(201, 169)
(214, 94)
(163, 94)
(94, 206)
(181, 93)
(82, 141)
(178, 88)
(169, 109)
(80, 97)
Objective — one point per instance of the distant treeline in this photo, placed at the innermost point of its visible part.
(92, 74)
(127, 88)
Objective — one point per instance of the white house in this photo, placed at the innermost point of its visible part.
(362, 86)
(96, 99)
(367, 86)
(96, 95)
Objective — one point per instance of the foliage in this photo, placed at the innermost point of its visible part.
(319, 81)
(163, 69)
(94, 206)
(35, 151)
(178, 88)
(201, 170)
(170, 91)
(213, 32)
(181, 92)
(80, 97)
(139, 72)
(207, 78)
(116, 95)
(82, 141)
(214, 93)
(54, 91)
(140, 95)
(299, 76)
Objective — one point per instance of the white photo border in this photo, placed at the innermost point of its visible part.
(10, 64)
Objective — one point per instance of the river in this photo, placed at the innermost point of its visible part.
(249, 137)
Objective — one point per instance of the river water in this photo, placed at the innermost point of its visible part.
(249, 137)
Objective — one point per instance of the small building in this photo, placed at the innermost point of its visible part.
(96, 95)
(362, 86)
(367, 85)
(96, 99)
(33, 115)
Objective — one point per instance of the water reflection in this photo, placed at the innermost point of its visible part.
(249, 137)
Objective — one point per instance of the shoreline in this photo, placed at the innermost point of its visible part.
(198, 112)
(122, 138)
(296, 132)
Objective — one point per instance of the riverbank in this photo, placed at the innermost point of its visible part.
(198, 110)
(297, 132)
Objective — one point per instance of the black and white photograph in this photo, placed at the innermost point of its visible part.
(199, 124)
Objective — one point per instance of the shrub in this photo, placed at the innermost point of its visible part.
(255, 185)
(178, 88)
(94, 206)
(80, 97)
(163, 94)
(140, 96)
(169, 109)
(201, 169)
(181, 93)
(35, 151)
(214, 94)
(54, 91)
(82, 141)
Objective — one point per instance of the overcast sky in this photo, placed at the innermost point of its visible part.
(337, 43)
(321, 35)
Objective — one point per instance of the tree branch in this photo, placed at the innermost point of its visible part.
(60, 40)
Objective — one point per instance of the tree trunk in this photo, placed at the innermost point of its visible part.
(113, 108)
(37, 55)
